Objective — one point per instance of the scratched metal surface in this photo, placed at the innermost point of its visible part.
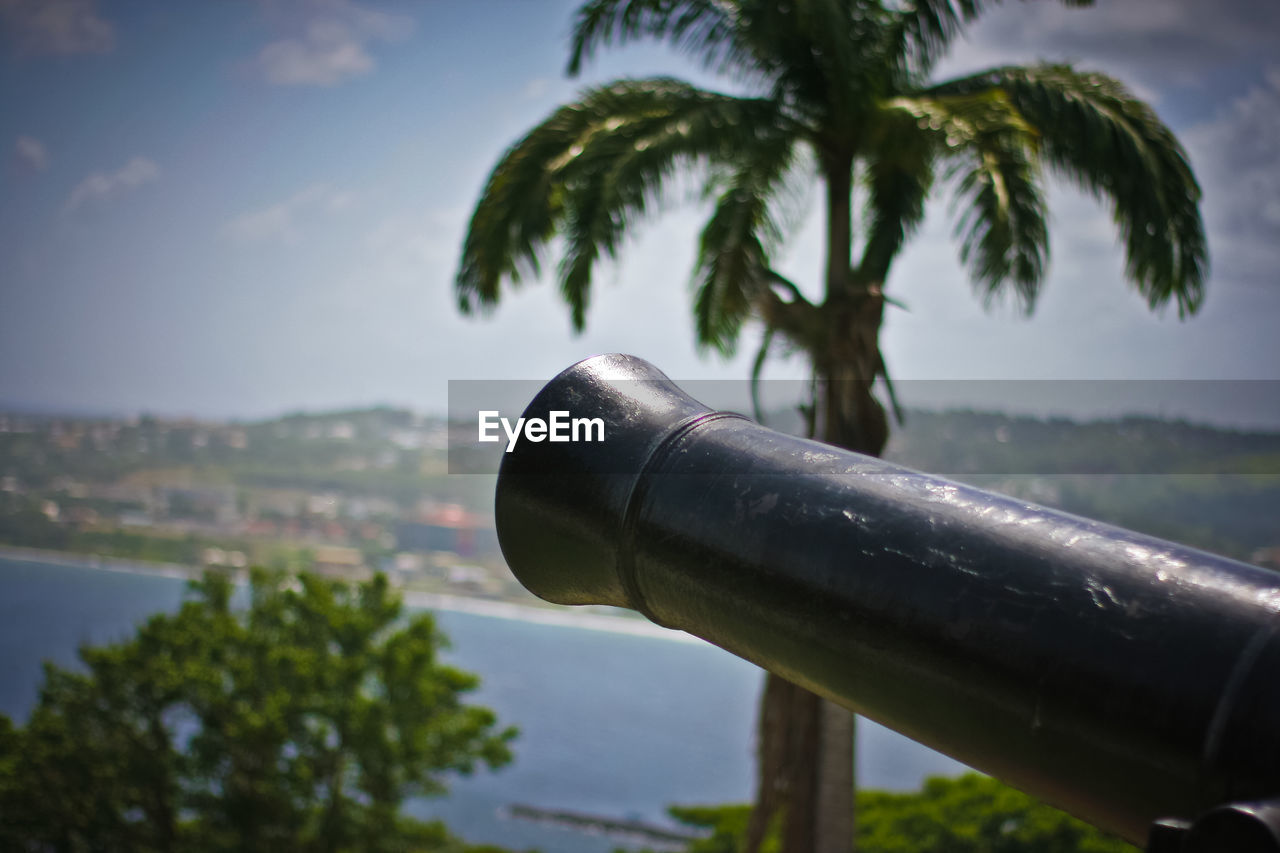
(1121, 677)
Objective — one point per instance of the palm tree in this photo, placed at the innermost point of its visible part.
(844, 95)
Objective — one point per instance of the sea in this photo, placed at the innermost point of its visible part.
(618, 719)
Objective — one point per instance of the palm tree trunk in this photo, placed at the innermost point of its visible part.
(851, 418)
(837, 168)
(833, 809)
(836, 780)
(806, 744)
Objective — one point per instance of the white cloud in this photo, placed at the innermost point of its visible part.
(1152, 45)
(31, 154)
(331, 45)
(104, 185)
(536, 88)
(406, 245)
(281, 222)
(1235, 157)
(64, 27)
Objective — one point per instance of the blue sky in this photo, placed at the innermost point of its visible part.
(242, 208)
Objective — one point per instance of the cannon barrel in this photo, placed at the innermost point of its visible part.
(1123, 678)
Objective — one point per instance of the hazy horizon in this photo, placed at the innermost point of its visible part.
(1250, 405)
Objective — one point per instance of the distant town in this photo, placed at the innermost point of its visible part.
(348, 493)
(342, 493)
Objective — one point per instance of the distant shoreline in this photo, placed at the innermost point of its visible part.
(544, 615)
(412, 598)
(97, 561)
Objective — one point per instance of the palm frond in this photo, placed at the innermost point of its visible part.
(736, 245)
(702, 28)
(829, 59)
(898, 174)
(1004, 238)
(757, 371)
(1095, 133)
(929, 26)
(992, 151)
(518, 209)
(894, 209)
(591, 171)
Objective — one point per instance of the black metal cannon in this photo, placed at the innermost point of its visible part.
(1131, 681)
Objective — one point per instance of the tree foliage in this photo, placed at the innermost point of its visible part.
(966, 814)
(845, 96)
(300, 722)
(973, 814)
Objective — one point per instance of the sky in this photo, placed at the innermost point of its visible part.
(242, 208)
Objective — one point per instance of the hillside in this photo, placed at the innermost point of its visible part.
(362, 478)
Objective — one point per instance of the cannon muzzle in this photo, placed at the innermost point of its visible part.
(1123, 678)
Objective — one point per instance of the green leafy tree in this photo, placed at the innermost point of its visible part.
(845, 97)
(300, 722)
(973, 814)
(967, 814)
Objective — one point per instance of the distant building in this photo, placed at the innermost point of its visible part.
(206, 503)
(340, 562)
(408, 563)
(324, 505)
(471, 579)
(220, 557)
(363, 508)
(448, 527)
(262, 527)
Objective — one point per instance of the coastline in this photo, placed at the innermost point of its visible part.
(97, 561)
(544, 615)
(550, 615)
